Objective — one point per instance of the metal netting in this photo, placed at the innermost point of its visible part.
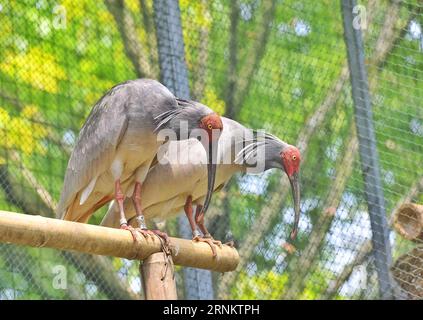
(276, 65)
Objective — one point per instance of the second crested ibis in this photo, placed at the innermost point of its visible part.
(119, 141)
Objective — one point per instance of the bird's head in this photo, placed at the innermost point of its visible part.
(281, 155)
(209, 123)
(290, 158)
(213, 125)
(197, 121)
(266, 151)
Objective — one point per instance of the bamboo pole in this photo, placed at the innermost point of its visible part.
(408, 221)
(37, 231)
(158, 277)
(408, 273)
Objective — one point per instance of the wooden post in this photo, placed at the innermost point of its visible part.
(157, 276)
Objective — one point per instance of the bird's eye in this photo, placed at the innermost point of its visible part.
(209, 126)
(294, 158)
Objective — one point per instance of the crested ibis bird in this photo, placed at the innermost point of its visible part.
(118, 143)
(173, 185)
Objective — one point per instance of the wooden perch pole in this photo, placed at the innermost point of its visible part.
(408, 221)
(37, 231)
(158, 279)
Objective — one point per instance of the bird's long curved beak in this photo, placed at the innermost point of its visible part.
(211, 173)
(295, 187)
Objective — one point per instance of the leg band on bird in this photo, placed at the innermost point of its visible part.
(196, 233)
(141, 222)
(123, 221)
(120, 197)
(136, 198)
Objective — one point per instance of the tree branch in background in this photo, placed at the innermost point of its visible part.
(19, 257)
(254, 55)
(13, 190)
(127, 29)
(239, 82)
(100, 271)
(17, 260)
(384, 43)
(150, 32)
(199, 74)
(233, 61)
(362, 255)
(12, 100)
(44, 195)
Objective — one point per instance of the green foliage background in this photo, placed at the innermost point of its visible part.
(272, 64)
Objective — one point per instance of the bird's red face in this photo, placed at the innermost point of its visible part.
(212, 122)
(291, 160)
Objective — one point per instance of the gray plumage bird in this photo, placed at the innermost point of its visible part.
(173, 186)
(119, 141)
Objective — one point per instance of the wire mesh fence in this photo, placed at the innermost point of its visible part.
(276, 65)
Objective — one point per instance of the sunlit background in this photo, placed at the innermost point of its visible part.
(278, 65)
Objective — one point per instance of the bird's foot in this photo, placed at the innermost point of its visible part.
(131, 229)
(216, 242)
(163, 237)
(219, 243)
(210, 241)
(230, 244)
(151, 233)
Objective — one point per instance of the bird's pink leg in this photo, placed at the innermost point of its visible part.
(199, 220)
(120, 197)
(190, 216)
(136, 198)
(196, 235)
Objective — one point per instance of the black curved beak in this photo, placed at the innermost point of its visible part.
(211, 173)
(295, 187)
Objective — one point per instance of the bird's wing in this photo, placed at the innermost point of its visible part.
(95, 148)
(175, 173)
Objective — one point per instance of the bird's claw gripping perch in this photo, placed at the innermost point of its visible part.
(207, 239)
(125, 226)
(163, 237)
(209, 242)
(230, 244)
(216, 242)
